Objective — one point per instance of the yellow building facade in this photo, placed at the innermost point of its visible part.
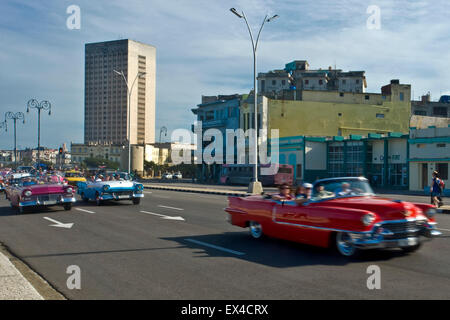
(333, 113)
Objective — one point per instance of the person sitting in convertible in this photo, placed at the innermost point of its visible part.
(344, 190)
(284, 194)
(321, 193)
(303, 193)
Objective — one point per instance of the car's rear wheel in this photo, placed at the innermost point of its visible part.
(411, 248)
(255, 229)
(345, 245)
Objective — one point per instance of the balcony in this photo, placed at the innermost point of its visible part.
(214, 123)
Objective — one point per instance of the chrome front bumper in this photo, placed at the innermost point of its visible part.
(50, 202)
(113, 196)
(388, 239)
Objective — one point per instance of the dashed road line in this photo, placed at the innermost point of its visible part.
(238, 253)
(84, 210)
(161, 206)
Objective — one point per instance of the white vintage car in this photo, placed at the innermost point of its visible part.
(101, 191)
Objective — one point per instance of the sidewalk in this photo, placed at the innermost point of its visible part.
(210, 189)
(13, 285)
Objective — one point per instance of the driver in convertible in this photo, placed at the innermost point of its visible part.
(344, 190)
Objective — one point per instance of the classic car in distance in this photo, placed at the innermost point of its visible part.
(73, 177)
(343, 213)
(101, 191)
(167, 175)
(25, 193)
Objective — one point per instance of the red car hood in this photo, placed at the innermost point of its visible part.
(386, 209)
(45, 188)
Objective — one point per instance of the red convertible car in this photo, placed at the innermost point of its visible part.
(343, 213)
(27, 192)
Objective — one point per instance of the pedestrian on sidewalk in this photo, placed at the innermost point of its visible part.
(436, 189)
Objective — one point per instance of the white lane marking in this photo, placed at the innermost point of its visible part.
(59, 224)
(84, 210)
(148, 192)
(161, 206)
(443, 229)
(164, 216)
(215, 247)
(164, 197)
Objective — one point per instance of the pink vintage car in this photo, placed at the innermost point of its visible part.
(29, 193)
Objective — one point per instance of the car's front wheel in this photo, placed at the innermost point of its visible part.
(255, 229)
(345, 245)
(136, 201)
(67, 206)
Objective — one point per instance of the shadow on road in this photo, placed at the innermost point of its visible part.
(276, 253)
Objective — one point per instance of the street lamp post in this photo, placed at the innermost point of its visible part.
(129, 91)
(43, 105)
(14, 116)
(255, 186)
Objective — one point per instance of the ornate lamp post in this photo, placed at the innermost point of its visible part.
(43, 105)
(14, 116)
(255, 186)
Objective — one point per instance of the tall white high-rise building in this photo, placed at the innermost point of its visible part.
(106, 113)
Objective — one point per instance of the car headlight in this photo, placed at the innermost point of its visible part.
(27, 193)
(69, 190)
(368, 219)
(105, 187)
(430, 212)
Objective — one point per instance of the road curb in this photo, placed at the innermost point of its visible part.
(195, 190)
(42, 287)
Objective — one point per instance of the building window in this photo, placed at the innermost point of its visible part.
(402, 96)
(341, 94)
(367, 97)
(442, 169)
(441, 145)
(274, 82)
(357, 81)
(440, 111)
(380, 116)
(344, 81)
(320, 81)
(283, 82)
(306, 81)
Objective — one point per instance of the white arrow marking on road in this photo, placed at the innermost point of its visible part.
(164, 217)
(59, 224)
(84, 210)
(161, 206)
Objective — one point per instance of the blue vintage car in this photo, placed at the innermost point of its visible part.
(101, 191)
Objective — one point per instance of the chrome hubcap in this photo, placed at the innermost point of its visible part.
(345, 244)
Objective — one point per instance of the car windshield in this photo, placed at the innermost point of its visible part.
(341, 188)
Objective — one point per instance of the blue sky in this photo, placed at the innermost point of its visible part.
(203, 49)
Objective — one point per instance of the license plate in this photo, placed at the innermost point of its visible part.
(408, 242)
(124, 197)
(46, 203)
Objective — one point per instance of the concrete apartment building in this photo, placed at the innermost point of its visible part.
(289, 82)
(426, 107)
(331, 113)
(106, 113)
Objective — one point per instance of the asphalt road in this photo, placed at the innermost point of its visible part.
(136, 252)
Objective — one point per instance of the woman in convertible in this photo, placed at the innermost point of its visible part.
(284, 193)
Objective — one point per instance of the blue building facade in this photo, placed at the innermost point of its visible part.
(221, 113)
